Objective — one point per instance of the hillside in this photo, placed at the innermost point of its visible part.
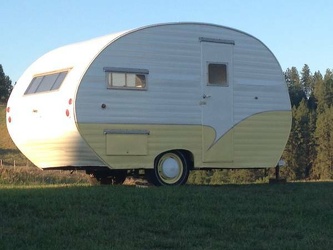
(8, 151)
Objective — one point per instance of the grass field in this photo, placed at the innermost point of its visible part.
(261, 216)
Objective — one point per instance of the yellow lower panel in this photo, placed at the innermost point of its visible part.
(256, 142)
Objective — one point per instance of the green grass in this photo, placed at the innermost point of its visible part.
(290, 216)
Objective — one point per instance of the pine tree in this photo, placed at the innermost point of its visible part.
(328, 94)
(324, 94)
(5, 86)
(298, 150)
(296, 91)
(312, 151)
(323, 166)
(317, 88)
(307, 80)
(328, 75)
(292, 76)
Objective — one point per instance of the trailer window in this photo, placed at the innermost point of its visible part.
(46, 82)
(126, 78)
(217, 74)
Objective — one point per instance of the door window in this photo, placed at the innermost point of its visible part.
(217, 74)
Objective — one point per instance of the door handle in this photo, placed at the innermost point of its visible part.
(204, 96)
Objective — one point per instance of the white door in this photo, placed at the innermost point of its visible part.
(217, 100)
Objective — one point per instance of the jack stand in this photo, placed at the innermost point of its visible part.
(277, 179)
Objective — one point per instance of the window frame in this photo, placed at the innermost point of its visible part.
(34, 88)
(138, 73)
(218, 84)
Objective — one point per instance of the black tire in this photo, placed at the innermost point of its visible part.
(170, 169)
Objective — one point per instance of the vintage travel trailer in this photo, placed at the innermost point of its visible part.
(166, 98)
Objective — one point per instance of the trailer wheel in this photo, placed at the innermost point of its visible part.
(170, 169)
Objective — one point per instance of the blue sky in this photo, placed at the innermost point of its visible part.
(297, 31)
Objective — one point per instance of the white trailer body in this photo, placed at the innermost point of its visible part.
(149, 98)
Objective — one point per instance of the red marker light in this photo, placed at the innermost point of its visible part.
(9, 118)
(70, 102)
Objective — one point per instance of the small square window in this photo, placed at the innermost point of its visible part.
(126, 80)
(217, 74)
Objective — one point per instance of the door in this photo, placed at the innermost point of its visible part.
(217, 100)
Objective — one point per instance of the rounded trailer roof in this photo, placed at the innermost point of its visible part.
(83, 53)
(79, 56)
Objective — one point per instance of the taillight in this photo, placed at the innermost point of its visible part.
(70, 102)
(9, 117)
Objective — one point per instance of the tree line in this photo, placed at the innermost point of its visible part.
(309, 151)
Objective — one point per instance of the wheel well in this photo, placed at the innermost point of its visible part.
(187, 154)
